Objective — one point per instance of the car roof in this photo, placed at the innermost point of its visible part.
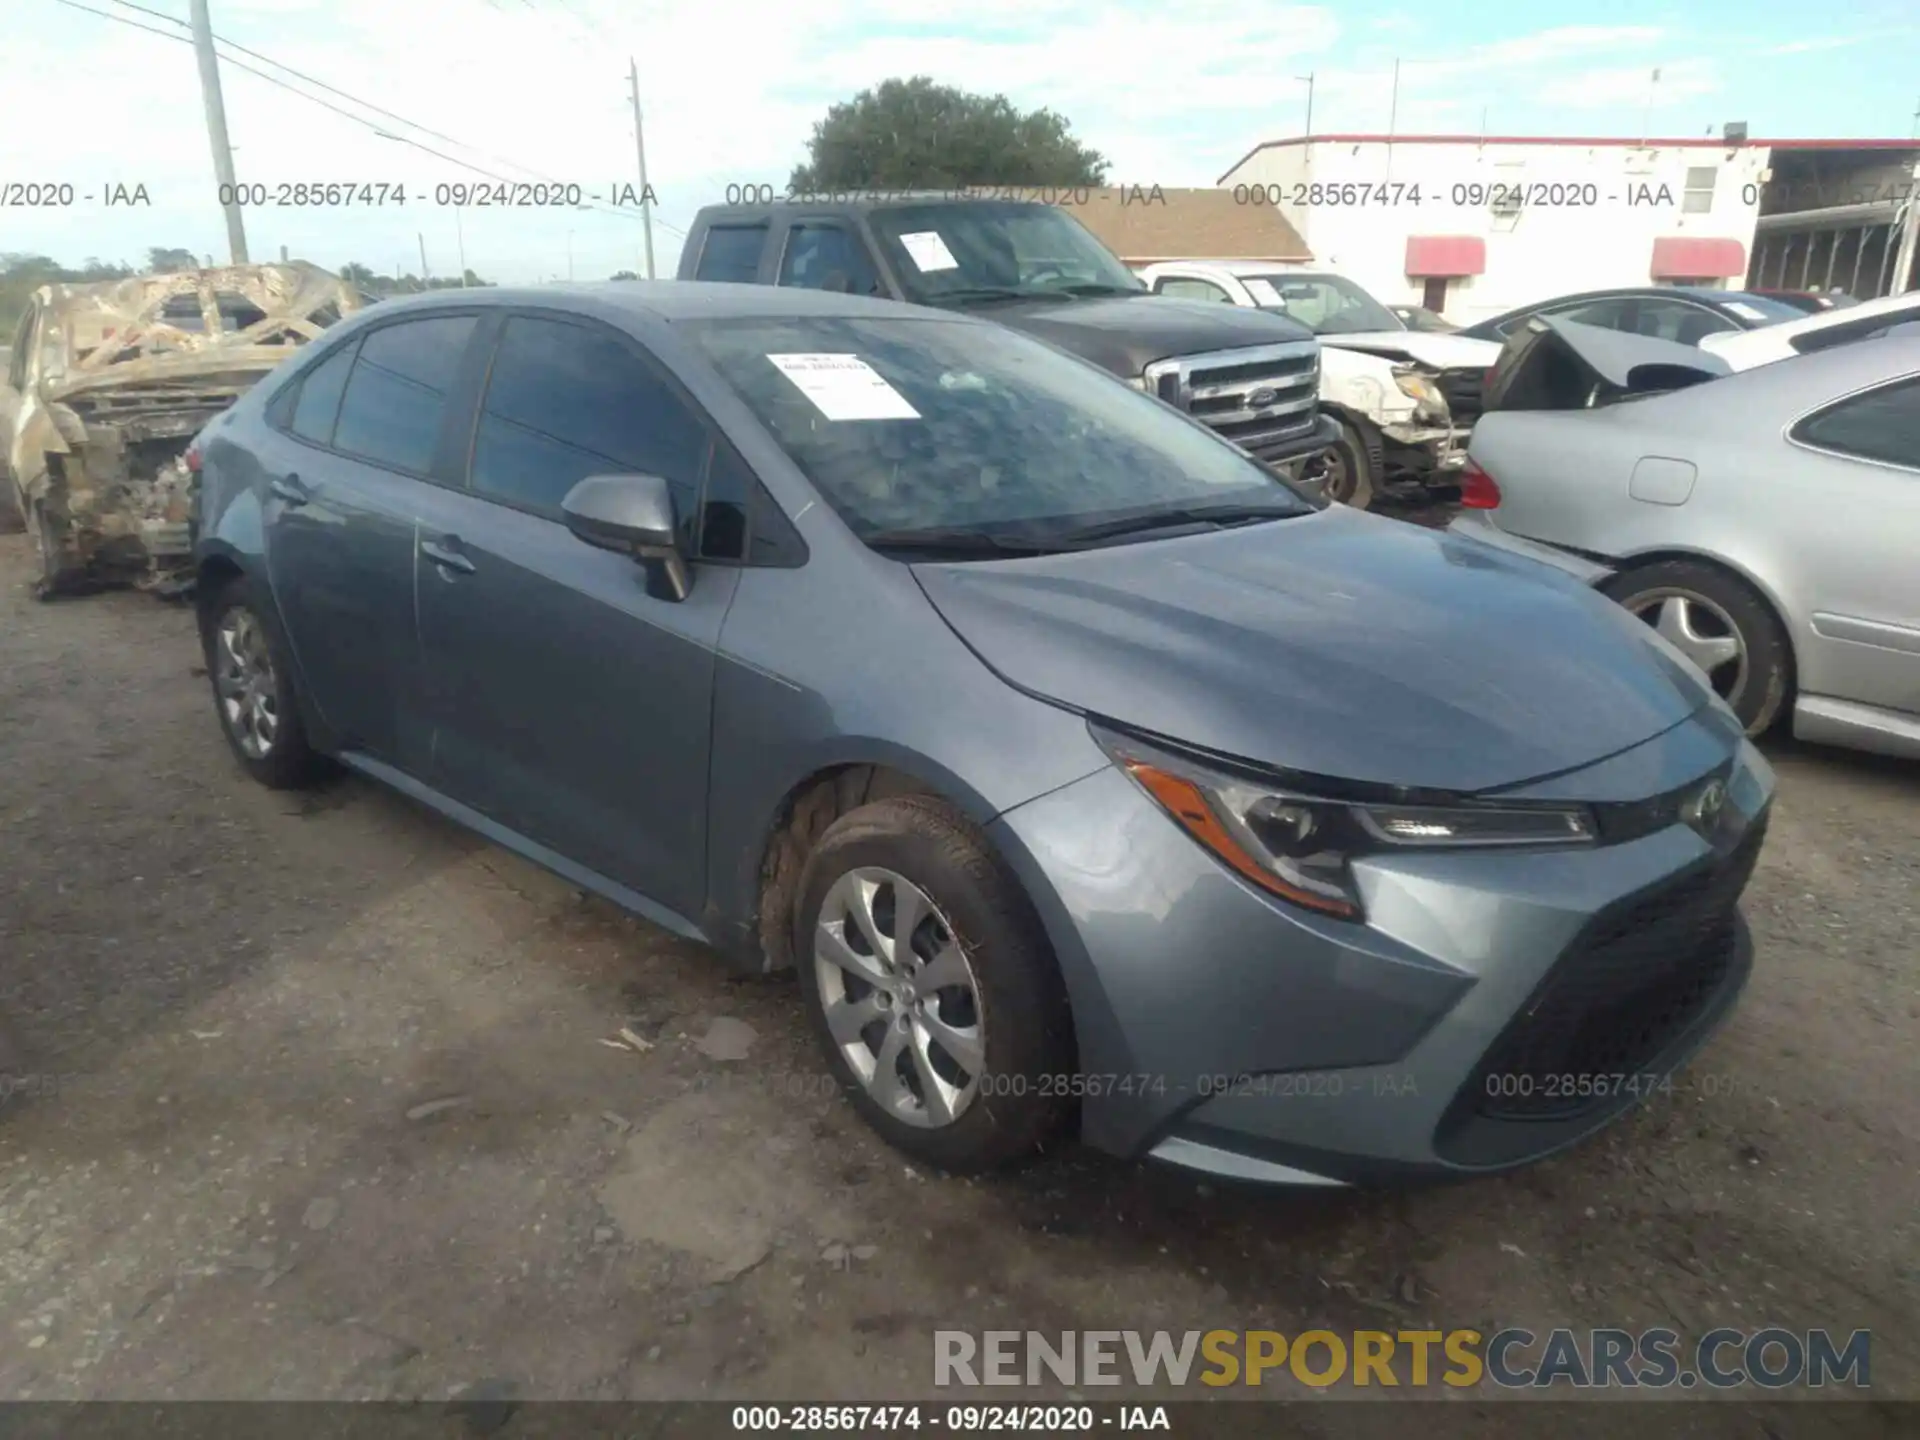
(865, 201)
(669, 300)
(1805, 382)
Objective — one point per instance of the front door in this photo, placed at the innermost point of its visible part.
(339, 488)
(1433, 294)
(569, 704)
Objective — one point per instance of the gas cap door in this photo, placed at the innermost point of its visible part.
(1660, 481)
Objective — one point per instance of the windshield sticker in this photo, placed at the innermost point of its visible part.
(928, 251)
(1263, 292)
(844, 387)
(1745, 311)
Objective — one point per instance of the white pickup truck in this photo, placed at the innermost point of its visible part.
(1405, 399)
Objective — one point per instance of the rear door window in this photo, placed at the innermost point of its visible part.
(731, 253)
(396, 396)
(318, 403)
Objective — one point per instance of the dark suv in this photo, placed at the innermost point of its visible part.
(1251, 376)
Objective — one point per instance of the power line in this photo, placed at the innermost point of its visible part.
(346, 114)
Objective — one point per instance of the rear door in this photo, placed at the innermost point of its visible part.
(345, 463)
(569, 704)
(1859, 538)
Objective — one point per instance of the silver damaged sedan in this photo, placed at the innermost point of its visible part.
(1086, 774)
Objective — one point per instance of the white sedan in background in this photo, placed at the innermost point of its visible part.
(1405, 399)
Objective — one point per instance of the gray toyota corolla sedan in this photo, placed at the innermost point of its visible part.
(1084, 771)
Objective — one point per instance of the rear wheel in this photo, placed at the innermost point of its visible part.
(1347, 471)
(1719, 623)
(253, 691)
(931, 987)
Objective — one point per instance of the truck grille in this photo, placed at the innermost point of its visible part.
(1632, 982)
(1258, 397)
(1463, 390)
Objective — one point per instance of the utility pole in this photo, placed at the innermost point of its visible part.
(217, 127)
(460, 240)
(1308, 80)
(640, 147)
(425, 273)
(1646, 119)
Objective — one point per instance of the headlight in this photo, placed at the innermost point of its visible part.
(1301, 846)
(1418, 388)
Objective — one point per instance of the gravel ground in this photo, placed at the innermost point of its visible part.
(315, 1104)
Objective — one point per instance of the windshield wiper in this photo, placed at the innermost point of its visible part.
(1097, 288)
(957, 541)
(1220, 515)
(981, 292)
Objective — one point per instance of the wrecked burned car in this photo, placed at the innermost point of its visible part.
(105, 389)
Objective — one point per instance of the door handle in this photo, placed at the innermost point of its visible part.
(445, 556)
(290, 489)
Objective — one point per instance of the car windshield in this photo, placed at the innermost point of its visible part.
(970, 250)
(1325, 304)
(943, 425)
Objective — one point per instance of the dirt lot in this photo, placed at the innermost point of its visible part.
(224, 1171)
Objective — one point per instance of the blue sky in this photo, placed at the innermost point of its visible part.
(1173, 95)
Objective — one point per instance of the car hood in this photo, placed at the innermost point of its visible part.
(1127, 333)
(1442, 352)
(1338, 644)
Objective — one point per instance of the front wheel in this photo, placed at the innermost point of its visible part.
(931, 987)
(1719, 623)
(1347, 472)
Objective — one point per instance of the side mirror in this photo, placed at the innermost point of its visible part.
(632, 514)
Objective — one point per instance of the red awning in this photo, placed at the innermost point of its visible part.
(1445, 256)
(1696, 257)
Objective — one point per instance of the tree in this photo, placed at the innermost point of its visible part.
(623, 275)
(166, 261)
(916, 134)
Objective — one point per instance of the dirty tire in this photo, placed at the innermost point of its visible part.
(1018, 1105)
(291, 763)
(1348, 476)
(1763, 691)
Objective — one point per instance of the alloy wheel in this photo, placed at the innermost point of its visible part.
(1700, 630)
(900, 997)
(244, 679)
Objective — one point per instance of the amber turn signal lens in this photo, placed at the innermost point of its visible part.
(1183, 800)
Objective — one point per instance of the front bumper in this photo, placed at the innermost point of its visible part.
(1220, 1029)
(1291, 453)
(1432, 453)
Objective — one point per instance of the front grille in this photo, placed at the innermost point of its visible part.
(1633, 981)
(1220, 388)
(1465, 393)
